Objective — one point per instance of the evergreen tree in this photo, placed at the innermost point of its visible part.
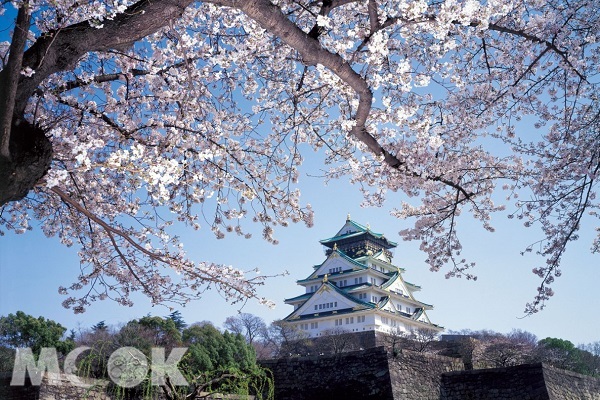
(100, 326)
(23, 330)
(177, 318)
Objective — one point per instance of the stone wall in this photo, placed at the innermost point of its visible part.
(60, 388)
(380, 375)
(526, 382)
(566, 385)
(8, 392)
(55, 388)
(353, 375)
(368, 374)
(417, 376)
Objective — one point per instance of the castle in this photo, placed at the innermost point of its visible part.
(358, 292)
(357, 289)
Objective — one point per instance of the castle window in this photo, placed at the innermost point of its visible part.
(408, 310)
(314, 325)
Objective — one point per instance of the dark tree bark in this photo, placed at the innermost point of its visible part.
(30, 157)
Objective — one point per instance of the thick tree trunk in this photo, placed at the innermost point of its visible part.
(30, 157)
(25, 152)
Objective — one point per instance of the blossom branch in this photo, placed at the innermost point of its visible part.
(109, 229)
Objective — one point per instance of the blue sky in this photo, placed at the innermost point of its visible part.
(33, 266)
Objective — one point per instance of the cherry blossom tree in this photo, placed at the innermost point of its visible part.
(119, 117)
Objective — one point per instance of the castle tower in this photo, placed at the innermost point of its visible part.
(357, 289)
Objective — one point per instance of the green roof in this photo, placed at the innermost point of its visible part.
(338, 290)
(361, 230)
(351, 298)
(391, 280)
(304, 296)
(321, 314)
(413, 285)
(338, 252)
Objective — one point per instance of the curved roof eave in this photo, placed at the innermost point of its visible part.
(392, 279)
(338, 253)
(351, 298)
(337, 290)
(361, 229)
(304, 296)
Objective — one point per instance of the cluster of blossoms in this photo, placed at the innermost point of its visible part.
(209, 114)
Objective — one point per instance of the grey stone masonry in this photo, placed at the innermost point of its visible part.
(7, 392)
(353, 375)
(406, 375)
(417, 376)
(366, 374)
(566, 385)
(524, 382)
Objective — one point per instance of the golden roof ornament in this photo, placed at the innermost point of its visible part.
(348, 217)
(335, 246)
(325, 279)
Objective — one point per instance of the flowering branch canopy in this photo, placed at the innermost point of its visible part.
(115, 112)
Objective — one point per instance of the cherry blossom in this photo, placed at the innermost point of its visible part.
(119, 118)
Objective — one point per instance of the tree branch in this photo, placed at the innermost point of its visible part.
(60, 50)
(109, 229)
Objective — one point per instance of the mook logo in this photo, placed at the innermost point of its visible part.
(127, 367)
